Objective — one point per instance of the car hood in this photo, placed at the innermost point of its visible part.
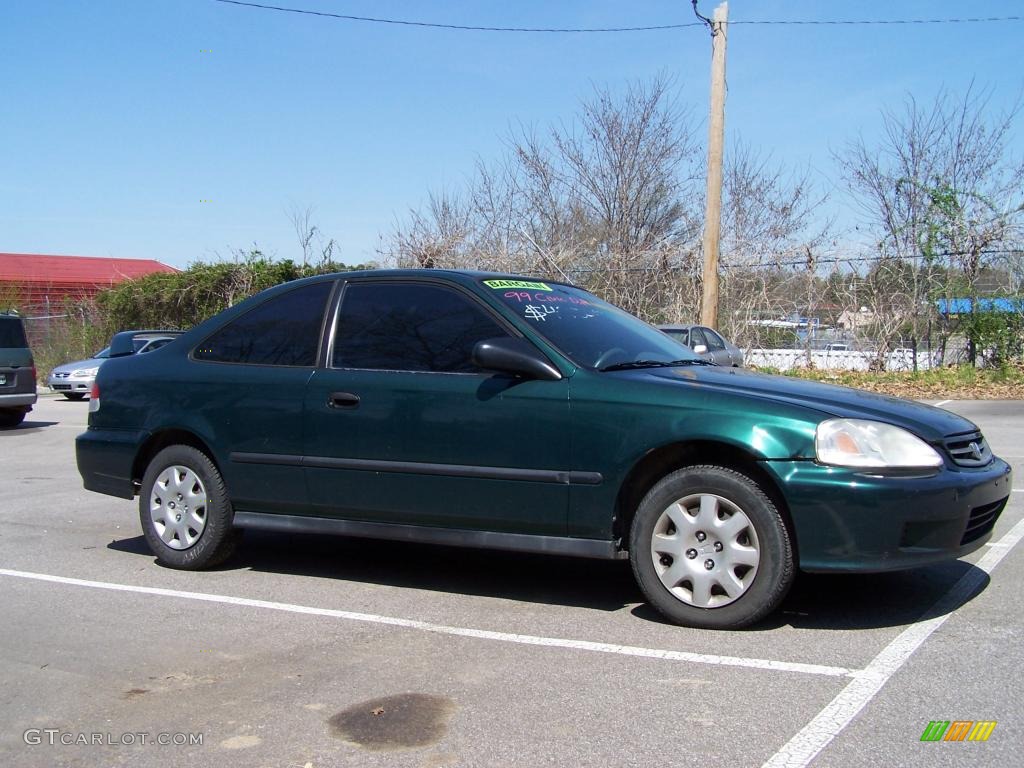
(91, 362)
(926, 421)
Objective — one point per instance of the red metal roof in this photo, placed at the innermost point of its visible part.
(77, 271)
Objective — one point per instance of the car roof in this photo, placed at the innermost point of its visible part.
(153, 335)
(460, 274)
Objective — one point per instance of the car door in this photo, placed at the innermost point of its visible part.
(698, 339)
(716, 347)
(243, 389)
(401, 427)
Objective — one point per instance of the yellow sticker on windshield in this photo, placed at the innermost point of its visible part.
(500, 284)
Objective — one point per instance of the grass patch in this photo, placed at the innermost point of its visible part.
(963, 382)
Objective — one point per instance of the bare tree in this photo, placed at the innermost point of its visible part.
(613, 200)
(603, 200)
(772, 232)
(311, 239)
(940, 191)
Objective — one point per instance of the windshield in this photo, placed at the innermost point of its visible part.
(589, 331)
(103, 353)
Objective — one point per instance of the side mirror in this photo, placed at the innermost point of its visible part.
(701, 349)
(516, 356)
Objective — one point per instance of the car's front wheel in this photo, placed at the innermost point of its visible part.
(185, 511)
(710, 549)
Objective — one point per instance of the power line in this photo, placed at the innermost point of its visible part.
(818, 261)
(460, 27)
(578, 30)
(862, 22)
(909, 257)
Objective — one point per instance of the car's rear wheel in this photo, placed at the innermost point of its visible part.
(710, 549)
(185, 511)
(75, 395)
(11, 417)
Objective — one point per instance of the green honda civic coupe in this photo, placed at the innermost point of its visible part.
(505, 412)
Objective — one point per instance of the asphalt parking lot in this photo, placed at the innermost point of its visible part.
(318, 651)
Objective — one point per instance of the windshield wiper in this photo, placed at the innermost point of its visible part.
(653, 364)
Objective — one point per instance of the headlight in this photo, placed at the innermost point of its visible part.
(81, 372)
(862, 443)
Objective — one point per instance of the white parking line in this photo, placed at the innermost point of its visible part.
(506, 637)
(800, 750)
(942, 402)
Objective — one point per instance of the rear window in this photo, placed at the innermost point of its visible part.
(12, 333)
(283, 330)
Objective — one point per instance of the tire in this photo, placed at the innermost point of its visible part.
(737, 573)
(185, 511)
(75, 395)
(11, 417)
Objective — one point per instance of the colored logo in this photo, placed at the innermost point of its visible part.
(958, 730)
(499, 284)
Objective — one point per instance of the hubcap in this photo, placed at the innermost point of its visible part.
(705, 550)
(177, 507)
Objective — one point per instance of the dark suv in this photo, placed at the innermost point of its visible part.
(17, 372)
(497, 411)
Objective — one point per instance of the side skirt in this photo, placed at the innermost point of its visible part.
(512, 542)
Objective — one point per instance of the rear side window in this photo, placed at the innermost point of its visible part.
(155, 344)
(284, 330)
(408, 327)
(12, 333)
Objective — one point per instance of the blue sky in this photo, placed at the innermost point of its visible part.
(116, 123)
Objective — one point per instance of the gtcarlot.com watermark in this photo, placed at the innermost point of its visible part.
(56, 736)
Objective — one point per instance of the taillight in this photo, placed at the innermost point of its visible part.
(94, 398)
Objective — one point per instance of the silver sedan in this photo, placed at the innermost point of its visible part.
(74, 380)
(707, 343)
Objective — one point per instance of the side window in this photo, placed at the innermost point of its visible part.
(683, 336)
(715, 342)
(284, 330)
(155, 344)
(697, 338)
(409, 327)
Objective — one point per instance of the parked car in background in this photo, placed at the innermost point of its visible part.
(17, 372)
(504, 412)
(74, 380)
(707, 343)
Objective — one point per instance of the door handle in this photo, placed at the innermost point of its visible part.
(342, 400)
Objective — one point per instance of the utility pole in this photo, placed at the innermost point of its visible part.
(716, 138)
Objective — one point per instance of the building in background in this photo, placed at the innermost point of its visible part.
(41, 286)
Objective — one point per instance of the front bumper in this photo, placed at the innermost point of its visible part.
(79, 384)
(846, 520)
